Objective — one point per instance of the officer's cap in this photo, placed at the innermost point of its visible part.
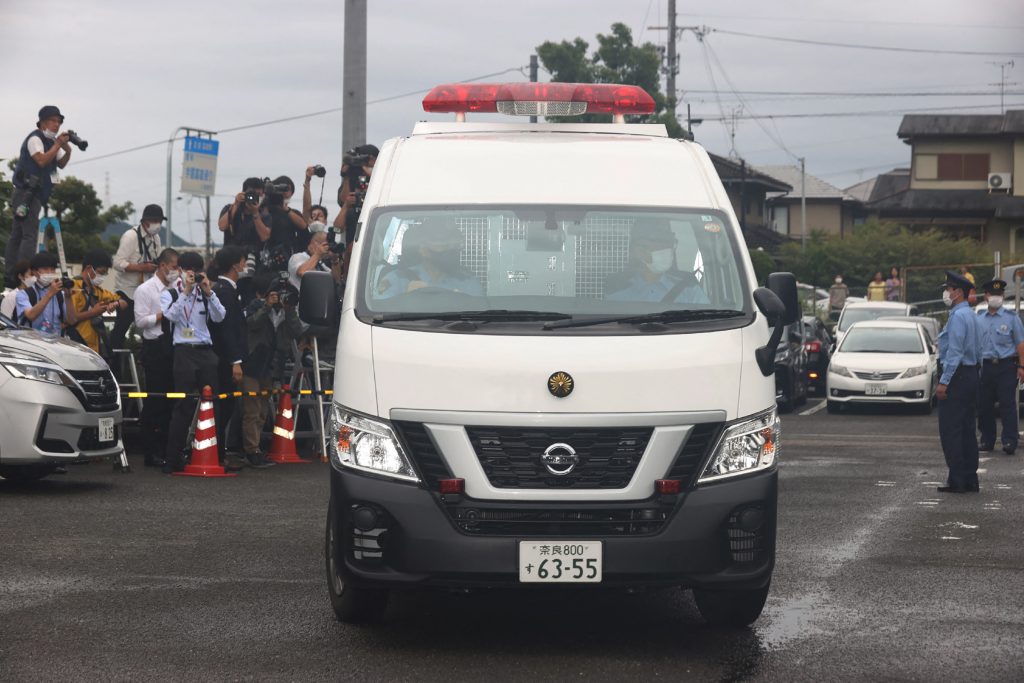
(996, 286)
(957, 281)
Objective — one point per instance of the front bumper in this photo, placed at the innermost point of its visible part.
(419, 544)
(854, 390)
(44, 423)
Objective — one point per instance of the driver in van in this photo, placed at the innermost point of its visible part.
(430, 259)
(651, 274)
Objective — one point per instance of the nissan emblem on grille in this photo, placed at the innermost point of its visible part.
(560, 384)
(560, 459)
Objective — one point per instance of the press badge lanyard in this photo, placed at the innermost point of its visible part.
(187, 332)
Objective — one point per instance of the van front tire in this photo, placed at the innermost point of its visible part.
(730, 608)
(351, 604)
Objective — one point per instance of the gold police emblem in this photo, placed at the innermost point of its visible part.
(560, 384)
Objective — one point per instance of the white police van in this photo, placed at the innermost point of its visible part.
(554, 365)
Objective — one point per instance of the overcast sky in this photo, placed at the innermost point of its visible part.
(128, 72)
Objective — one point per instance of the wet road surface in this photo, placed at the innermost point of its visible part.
(145, 577)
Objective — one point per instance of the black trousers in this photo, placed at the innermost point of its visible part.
(956, 427)
(194, 368)
(158, 365)
(229, 434)
(124, 320)
(998, 383)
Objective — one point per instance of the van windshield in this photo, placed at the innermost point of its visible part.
(570, 261)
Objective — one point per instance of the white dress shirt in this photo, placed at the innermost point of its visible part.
(147, 305)
(135, 247)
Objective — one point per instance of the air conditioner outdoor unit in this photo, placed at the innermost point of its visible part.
(1000, 182)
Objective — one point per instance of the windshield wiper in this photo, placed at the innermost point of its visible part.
(674, 316)
(490, 315)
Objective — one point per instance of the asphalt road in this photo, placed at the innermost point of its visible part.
(146, 577)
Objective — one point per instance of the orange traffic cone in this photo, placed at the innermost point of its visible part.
(282, 449)
(204, 462)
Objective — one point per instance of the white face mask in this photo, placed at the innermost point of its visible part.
(98, 279)
(839, 280)
(947, 298)
(46, 279)
(317, 226)
(995, 301)
(50, 134)
(29, 281)
(661, 260)
(172, 276)
(153, 228)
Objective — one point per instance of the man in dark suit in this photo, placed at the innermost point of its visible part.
(229, 343)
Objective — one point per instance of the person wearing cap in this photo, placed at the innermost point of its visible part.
(134, 263)
(431, 258)
(651, 274)
(43, 152)
(1002, 358)
(960, 353)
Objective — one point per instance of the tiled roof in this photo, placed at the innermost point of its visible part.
(1012, 122)
(814, 188)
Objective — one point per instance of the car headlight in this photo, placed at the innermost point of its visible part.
(839, 370)
(914, 372)
(368, 444)
(747, 446)
(39, 372)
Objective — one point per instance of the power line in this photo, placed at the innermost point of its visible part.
(286, 119)
(881, 112)
(837, 93)
(886, 48)
(916, 24)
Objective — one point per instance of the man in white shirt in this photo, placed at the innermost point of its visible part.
(157, 355)
(134, 261)
(318, 256)
(42, 153)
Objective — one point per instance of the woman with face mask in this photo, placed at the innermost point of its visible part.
(25, 278)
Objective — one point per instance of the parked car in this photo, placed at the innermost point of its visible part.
(59, 404)
(818, 345)
(931, 326)
(855, 312)
(791, 383)
(883, 361)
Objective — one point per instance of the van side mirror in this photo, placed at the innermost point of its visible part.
(317, 298)
(774, 311)
(784, 287)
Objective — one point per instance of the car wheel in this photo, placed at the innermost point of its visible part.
(351, 604)
(733, 608)
(21, 474)
(833, 407)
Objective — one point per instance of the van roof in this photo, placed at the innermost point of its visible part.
(568, 164)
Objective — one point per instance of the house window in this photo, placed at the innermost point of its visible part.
(963, 167)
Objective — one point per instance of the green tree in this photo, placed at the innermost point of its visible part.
(878, 246)
(764, 264)
(616, 60)
(6, 212)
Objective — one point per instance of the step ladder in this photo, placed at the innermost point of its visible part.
(126, 357)
(314, 407)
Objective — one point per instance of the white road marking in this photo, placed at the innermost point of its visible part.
(885, 483)
(950, 538)
(812, 410)
(927, 503)
(931, 483)
(1003, 487)
(959, 525)
(984, 459)
(993, 506)
(982, 470)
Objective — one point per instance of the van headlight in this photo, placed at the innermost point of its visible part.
(746, 446)
(368, 444)
(839, 370)
(39, 372)
(914, 372)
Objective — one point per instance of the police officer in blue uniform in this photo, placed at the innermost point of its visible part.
(960, 353)
(1002, 355)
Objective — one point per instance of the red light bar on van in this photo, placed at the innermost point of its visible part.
(539, 99)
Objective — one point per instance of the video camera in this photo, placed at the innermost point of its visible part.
(273, 193)
(336, 240)
(354, 157)
(77, 141)
(285, 292)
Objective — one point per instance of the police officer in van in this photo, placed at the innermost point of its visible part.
(42, 153)
(1002, 358)
(960, 353)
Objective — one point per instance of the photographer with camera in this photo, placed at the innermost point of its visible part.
(43, 152)
(288, 230)
(90, 301)
(313, 213)
(356, 169)
(246, 224)
(317, 256)
(134, 262)
(272, 322)
(189, 306)
(43, 306)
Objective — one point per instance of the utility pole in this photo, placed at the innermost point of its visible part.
(673, 66)
(533, 78)
(803, 206)
(353, 104)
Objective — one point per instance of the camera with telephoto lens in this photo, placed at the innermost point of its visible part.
(336, 240)
(77, 141)
(273, 193)
(286, 293)
(319, 171)
(67, 283)
(354, 157)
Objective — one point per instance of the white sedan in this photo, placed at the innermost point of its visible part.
(883, 361)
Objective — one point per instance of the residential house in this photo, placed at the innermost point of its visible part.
(829, 209)
(964, 177)
(748, 190)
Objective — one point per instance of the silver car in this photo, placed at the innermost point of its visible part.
(59, 404)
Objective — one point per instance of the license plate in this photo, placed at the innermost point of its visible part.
(560, 561)
(876, 390)
(106, 429)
